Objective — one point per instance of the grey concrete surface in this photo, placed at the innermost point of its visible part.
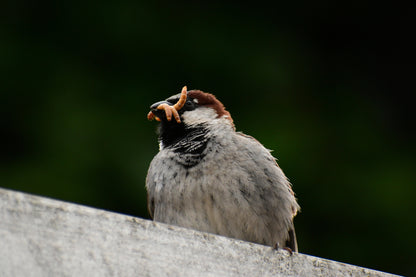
(45, 237)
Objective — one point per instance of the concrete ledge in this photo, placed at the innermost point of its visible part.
(44, 237)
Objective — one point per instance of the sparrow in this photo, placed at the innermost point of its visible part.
(209, 177)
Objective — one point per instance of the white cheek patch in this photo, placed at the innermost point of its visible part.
(195, 100)
(199, 116)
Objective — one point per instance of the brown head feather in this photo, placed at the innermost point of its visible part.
(209, 100)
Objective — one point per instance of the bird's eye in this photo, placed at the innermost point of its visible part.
(189, 105)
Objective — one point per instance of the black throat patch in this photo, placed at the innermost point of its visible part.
(189, 142)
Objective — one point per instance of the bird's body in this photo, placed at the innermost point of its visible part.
(211, 178)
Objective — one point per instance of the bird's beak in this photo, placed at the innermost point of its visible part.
(164, 110)
(156, 113)
(154, 106)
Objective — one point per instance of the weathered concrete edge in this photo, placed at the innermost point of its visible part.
(28, 222)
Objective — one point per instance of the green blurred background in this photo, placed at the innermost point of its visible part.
(326, 86)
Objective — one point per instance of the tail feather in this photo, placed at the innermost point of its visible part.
(291, 241)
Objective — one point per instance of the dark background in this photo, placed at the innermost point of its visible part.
(327, 86)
